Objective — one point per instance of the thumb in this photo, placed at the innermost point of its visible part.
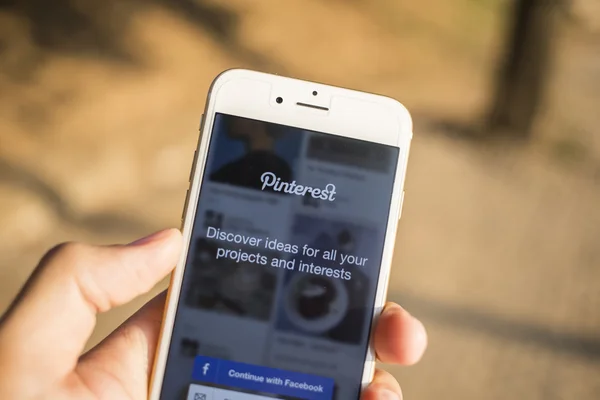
(44, 332)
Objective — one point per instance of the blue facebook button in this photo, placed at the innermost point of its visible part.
(262, 379)
(205, 369)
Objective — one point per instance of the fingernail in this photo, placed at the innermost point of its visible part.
(422, 334)
(148, 239)
(385, 394)
(395, 308)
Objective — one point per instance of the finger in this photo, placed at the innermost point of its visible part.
(399, 337)
(383, 387)
(120, 363)
(49, 325)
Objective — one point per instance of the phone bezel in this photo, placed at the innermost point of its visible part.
(350, 113)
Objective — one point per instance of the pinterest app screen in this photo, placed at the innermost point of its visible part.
(282, 269)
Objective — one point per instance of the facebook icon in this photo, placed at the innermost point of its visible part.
(206, 368)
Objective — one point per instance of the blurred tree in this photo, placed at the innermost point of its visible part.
(101, 28)
(520, 84)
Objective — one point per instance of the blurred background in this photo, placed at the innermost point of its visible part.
(499, 246)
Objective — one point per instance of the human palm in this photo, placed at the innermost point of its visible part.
(45, 330)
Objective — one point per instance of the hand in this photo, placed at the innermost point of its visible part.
(44, 332)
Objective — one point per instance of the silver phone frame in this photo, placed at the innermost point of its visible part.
(365, 116)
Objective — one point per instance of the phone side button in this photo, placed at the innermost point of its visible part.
(201, 123)
(185, 205)
(193, 165)
(401, 205)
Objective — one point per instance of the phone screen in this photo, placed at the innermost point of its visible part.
(281, 275)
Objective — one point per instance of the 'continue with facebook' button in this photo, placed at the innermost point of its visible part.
(262, 379)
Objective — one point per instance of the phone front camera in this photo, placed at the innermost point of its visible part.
(279, 100)
(315, 93)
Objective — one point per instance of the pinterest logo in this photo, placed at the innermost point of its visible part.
(270, 180)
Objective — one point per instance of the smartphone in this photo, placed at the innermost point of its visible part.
(289, 226)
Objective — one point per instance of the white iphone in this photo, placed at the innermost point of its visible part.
(289, 228)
